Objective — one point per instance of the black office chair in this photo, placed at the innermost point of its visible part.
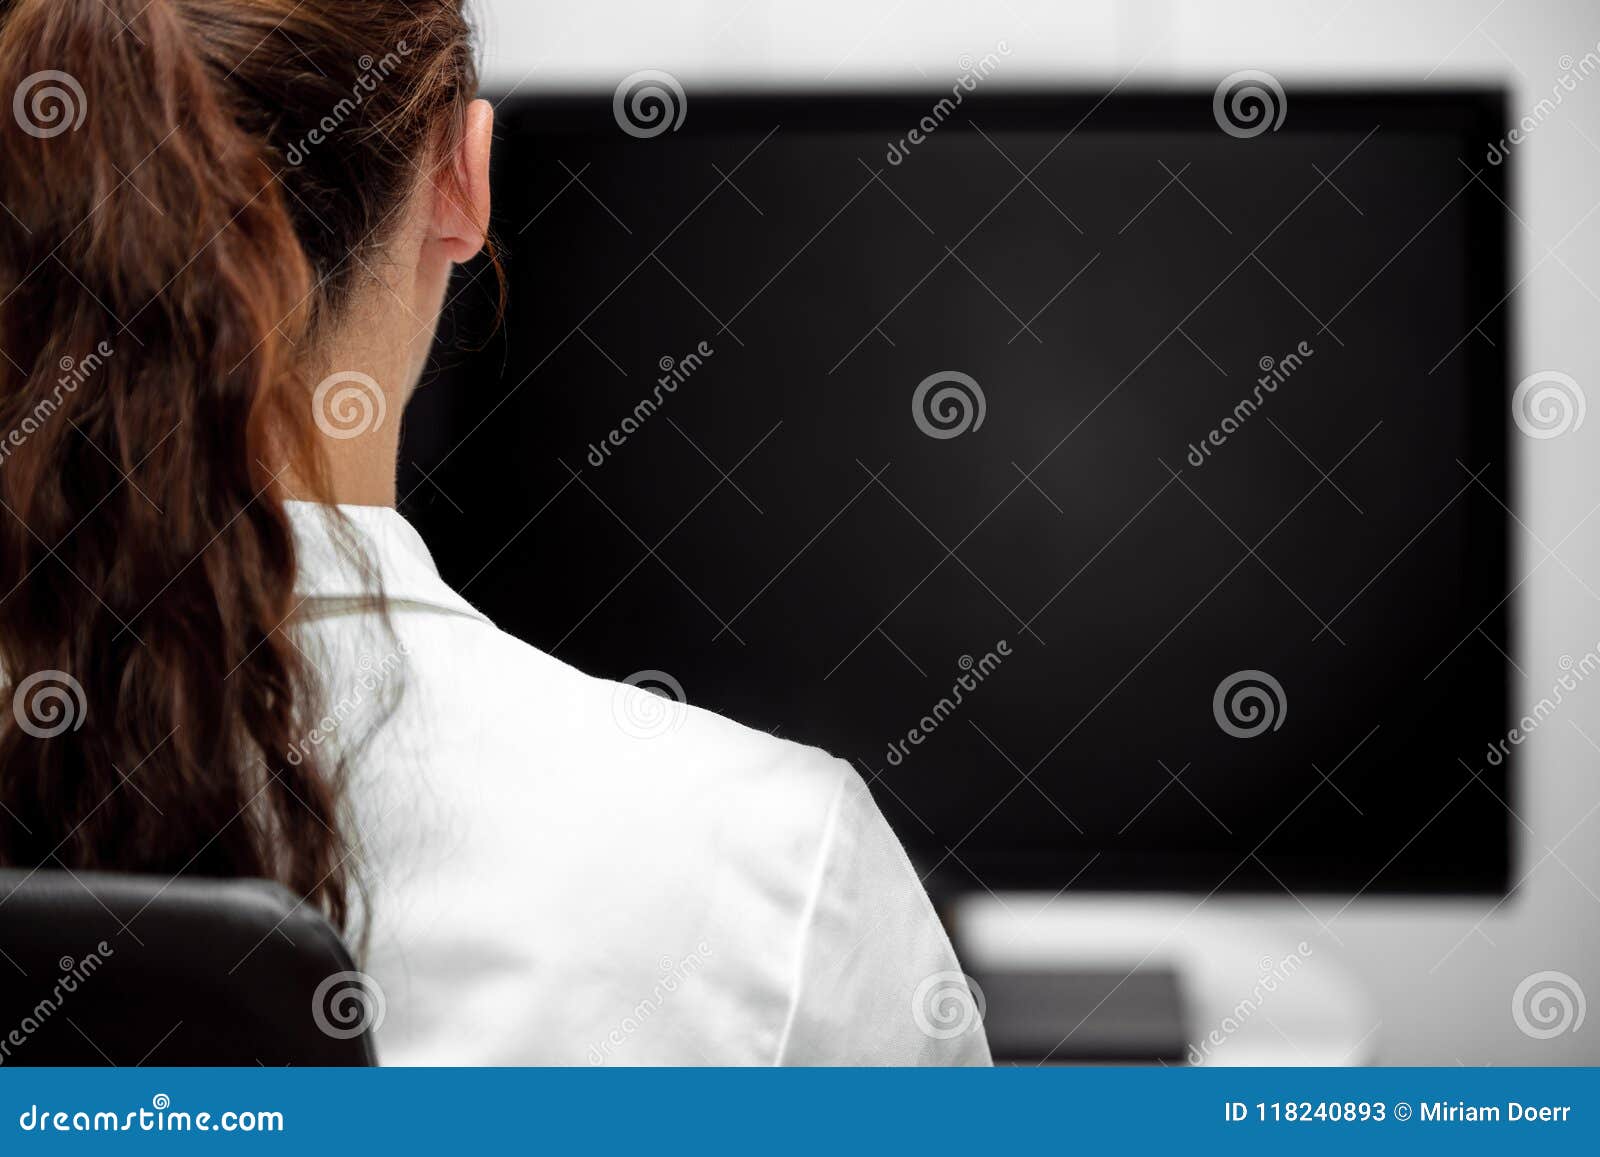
(129, 970)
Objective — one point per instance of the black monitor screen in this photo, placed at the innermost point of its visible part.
(1122, 491)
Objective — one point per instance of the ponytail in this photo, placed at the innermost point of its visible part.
(155, 299)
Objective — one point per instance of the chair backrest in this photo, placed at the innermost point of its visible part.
(128, 970)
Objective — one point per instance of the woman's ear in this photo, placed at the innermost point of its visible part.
(461, 207)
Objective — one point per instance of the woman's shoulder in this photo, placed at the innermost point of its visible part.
(646, 829)
(474, 697)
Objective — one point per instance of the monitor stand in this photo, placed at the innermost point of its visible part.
(1084, 1015)
(1112, 979)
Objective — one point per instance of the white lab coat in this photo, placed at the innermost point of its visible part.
(562, 870)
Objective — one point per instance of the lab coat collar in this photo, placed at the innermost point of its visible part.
(396, 561)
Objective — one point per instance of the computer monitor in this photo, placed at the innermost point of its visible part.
(1119, 481)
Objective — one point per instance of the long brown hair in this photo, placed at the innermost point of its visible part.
(190, 193)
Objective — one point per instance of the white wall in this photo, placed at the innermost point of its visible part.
(1442, 974)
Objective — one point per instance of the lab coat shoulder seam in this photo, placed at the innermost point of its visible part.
(808, 915)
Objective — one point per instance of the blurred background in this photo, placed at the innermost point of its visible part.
(1431, 981)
